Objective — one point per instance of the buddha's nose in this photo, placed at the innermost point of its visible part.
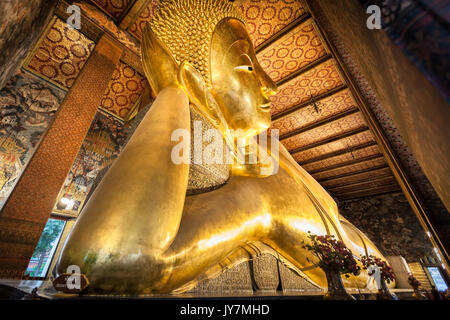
(268, 86)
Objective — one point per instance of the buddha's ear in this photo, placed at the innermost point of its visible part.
(194, 84)
(159, 64)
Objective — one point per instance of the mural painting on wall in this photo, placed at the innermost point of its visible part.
(102, 144)
(390, 223)
(27, 106)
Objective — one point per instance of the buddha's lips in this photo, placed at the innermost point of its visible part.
(265, 107)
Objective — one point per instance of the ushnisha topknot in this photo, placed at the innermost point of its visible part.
(186, 28)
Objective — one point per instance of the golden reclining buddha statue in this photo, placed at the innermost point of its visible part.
(156, 226)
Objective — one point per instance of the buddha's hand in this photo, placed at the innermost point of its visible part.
(160, 67)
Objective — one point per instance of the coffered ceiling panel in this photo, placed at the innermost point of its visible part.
(266, 18)
(293, 51)
(60, 54)
(124, 90)
(318, 80)
(364, 185)
(349, 169)
(330, 106)
(359, 177)
(338, 145)
(114, 8)
(346, 124)
(343, 158)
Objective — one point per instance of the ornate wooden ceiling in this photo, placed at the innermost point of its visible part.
(317, 117)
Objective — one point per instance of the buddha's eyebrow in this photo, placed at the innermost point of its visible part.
(241, 43)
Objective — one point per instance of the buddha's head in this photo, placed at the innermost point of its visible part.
(203, 46)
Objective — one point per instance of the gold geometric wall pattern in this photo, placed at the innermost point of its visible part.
(265, 18)
(330, 106)
(291, 52)
(60, 54)
(316, 81)
(124, 90)
(348, 123)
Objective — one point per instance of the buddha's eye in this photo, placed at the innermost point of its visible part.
(245, 63)
(245, 68)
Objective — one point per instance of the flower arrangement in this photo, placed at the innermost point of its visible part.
(385, 270)
(332, 254)
(413, 282)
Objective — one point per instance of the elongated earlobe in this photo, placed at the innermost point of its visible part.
(194, 84)
(159, 65)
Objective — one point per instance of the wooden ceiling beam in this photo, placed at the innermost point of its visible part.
(361, 184)
(319, 123)
(338, 153)
(351, 184)
(357, 172)
(303, 70)
(358, 176)
(347, 163)
(305, 16)
(331, 139)
(370, 192)
(308, 102)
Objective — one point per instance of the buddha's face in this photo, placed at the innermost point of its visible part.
(239, 84)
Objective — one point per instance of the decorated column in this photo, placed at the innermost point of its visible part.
(25, 213)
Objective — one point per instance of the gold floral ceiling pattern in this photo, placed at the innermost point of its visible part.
(293, 51)
(330, 129)
(60, 54)
(339, 145)
(343, 158)
(330, 106)
(266, 18)
(124, 90)
(319, 80)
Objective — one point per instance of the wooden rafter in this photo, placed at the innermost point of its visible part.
(348, 174)
(347, 163)
(308, 102)
(320, 123)
(330, 139)
(355, 184)
(337, 153)
(370, 192)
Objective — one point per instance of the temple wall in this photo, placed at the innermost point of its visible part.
(390, 223)
(27, 107)
(21, 23)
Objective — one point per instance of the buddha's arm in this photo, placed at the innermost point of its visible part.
(137, 208)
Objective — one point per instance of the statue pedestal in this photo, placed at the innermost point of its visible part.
(234, 281)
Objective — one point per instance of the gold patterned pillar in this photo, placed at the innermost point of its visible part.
(26, 212)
